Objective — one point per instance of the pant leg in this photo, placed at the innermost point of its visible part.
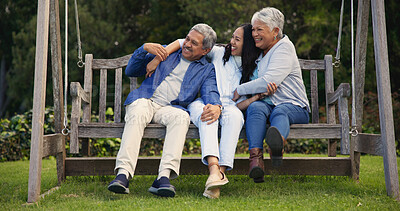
(208, 133)
(138, 115)
(257, 115)
(177, 124)
(285, 114)
(231, 124)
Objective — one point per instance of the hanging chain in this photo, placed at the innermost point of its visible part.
(65, 131)
(337, 57)
(354, 131)
(80, 62)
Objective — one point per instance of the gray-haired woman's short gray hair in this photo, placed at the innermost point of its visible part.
(272, 17)
(210, 37)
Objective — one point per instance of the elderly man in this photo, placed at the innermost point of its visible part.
(163, 98)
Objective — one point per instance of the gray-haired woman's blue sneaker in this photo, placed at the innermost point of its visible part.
(162, 187)
(119, 185)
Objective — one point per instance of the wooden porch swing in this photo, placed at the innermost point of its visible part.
(82, 130)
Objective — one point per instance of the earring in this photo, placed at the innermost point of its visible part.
(275, 38)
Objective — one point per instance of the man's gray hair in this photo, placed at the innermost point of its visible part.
(210, 37)
(272, 17)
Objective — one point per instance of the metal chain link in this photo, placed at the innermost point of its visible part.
(354, 131)
(65, 131)
(80, 62)
(336, 64)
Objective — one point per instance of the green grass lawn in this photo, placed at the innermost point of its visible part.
(276, 193)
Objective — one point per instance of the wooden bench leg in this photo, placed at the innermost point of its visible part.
(60, 159)
(85, 147)
(332, 146)
(355, 160)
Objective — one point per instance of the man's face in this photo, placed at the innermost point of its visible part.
(192, 48)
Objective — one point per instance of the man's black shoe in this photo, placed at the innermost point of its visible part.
(119, 185)
(162, 187)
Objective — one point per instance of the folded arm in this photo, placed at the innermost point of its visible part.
(163, 54)
(271, 89)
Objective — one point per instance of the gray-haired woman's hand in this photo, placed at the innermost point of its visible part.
(271, 89)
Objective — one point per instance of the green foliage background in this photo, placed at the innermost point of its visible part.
(114, 28)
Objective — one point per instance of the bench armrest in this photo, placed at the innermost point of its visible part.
(343, 90)
(78, 95)
(340, 96)
(78, 92)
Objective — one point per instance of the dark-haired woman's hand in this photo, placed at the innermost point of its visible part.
(236, 96)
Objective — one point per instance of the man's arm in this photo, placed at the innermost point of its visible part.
(142, 56)
(151, 66)
(210, 95)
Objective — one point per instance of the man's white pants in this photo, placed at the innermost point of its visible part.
(140, 113)
(231, 121)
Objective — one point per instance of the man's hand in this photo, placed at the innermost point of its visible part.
(151, 66)
(236, 96)
(156, 49)
(210, 113)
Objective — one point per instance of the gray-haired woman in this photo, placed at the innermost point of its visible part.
(277, 63)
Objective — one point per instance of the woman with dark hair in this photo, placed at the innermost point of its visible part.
(236, 58)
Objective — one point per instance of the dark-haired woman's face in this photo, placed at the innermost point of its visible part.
(237, 42)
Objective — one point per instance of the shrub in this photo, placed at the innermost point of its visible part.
(15, 135)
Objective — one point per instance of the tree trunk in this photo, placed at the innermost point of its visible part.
(3, 86)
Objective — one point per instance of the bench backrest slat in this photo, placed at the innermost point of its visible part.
(133, 83)
(314, 96)
(118, 95)
(103, 95)
(111, 63)
(312, 64)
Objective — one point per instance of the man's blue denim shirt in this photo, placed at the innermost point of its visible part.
(200, 76)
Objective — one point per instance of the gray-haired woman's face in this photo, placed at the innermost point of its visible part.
(263, 36)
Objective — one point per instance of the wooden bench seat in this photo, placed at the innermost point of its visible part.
(114, 130)
(82, 128)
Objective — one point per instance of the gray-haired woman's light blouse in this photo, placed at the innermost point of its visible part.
(279, 65)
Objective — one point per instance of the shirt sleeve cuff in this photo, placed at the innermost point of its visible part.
(241, 90)
(181, 42)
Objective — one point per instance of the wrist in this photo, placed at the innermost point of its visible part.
(145, 47)
(158, 59)
(220, 108)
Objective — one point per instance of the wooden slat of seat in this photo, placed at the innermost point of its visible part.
(91, 166)
(114, 130)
